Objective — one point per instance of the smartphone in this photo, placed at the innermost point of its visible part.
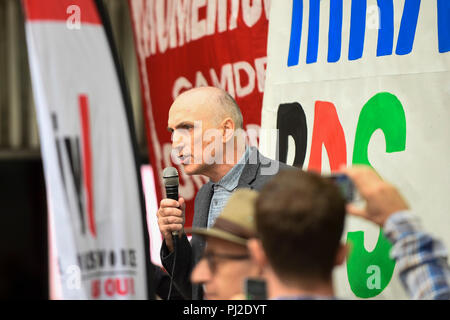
(255, 289)
(346, 186)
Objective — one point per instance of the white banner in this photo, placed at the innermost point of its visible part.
(365, 82)
(95, 215)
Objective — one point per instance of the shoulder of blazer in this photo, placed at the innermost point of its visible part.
(201, 205)
(203, 191)
(252, 176)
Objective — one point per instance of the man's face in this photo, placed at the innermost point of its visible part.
(188, 122)
(223, 269)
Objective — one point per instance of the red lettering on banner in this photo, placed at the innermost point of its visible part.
(174, 23)
(87, 161)
(238, 79)
(95, 289)
(58, 10)
(327, 131)
(131, 286)
(109, 287)
(122, 291)
(116, 286)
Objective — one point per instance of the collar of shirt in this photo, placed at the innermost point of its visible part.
(230, 181)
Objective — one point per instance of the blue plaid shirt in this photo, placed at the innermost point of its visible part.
(420, 258)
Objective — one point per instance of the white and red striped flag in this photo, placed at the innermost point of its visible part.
(98, 236)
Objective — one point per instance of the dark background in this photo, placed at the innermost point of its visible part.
(23, 229)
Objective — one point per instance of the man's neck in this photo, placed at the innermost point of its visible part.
(280, 289)
(218, 171)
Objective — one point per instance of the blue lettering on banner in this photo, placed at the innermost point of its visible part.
(408, 27)
(357, 29)
(313, 31)
(296, 32)
(386, 31)
(444, 25)
(335, 31)
(385, 43)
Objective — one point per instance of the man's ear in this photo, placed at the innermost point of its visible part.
(228, 129)
(341, 254)
(257, 252)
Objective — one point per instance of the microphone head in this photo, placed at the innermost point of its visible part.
(170, 177)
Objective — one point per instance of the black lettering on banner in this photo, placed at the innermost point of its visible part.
(71, 147)
(112, 258)
(291, 121)
(132, 257)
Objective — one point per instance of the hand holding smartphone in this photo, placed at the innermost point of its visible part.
(346, 186)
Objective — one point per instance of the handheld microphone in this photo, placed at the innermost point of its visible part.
(171, 182)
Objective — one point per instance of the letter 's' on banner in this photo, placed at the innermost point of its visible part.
(98, 237)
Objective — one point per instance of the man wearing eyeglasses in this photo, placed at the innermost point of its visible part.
(226, 261)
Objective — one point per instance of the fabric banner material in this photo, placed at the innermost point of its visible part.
(365, 82)
(192, 43)
(96, 221)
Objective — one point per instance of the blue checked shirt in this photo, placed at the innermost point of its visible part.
(224, 188)
(420, 258)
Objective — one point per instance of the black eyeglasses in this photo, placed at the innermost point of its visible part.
(211, 258)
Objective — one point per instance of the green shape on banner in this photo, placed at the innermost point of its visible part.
(369, 273)
(383, 111)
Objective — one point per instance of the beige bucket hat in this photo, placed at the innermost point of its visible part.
(236, 222)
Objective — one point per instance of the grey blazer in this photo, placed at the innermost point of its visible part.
(257, 171)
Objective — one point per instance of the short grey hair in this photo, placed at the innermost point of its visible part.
(230, 109)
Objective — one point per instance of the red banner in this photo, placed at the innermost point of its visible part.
(61, 10)
(182, 44)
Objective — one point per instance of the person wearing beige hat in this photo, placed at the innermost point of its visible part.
(226, 261)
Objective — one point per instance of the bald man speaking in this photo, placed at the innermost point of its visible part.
(207, 139)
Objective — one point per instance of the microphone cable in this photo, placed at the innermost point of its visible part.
(175, 249)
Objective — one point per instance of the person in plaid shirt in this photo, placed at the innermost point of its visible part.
(308, 213)
(420, 258)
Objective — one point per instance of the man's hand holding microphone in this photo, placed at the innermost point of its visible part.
(171, 210)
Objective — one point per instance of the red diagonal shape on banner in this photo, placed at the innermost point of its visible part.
(327, 131)
(87, 160)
